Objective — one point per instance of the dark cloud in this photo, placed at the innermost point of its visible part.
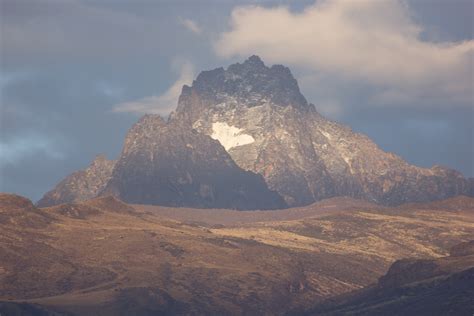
(424, 138)
(444, 20)
(64, 117)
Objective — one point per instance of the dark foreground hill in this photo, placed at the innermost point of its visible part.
(442, 286)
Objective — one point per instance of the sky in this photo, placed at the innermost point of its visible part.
(76, 74)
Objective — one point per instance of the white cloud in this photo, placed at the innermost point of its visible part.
(190, 25)
(377, 42)
(164, 103)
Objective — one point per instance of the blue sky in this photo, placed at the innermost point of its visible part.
(75, 75)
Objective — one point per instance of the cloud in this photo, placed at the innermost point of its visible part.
(330, 108)
(190, 25)
(377, 42)
(56, 30)
(12, 151)
(164, 103)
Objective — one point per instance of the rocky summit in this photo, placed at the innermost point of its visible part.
(243, 133)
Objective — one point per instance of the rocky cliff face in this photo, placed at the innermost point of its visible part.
(259, 115)
(81, 185)
(266, 127)
(168, 163)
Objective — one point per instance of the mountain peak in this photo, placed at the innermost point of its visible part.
(254, 60)
(253, 64)
(246, 84)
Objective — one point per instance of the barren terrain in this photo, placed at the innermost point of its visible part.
(109, 258)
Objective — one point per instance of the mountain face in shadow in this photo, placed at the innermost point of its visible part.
(166, 163)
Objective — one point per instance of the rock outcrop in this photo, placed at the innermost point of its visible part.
(80, 185)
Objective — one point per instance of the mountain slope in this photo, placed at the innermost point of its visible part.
(167, 163)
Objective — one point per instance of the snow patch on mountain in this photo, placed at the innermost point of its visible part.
(230, 136)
